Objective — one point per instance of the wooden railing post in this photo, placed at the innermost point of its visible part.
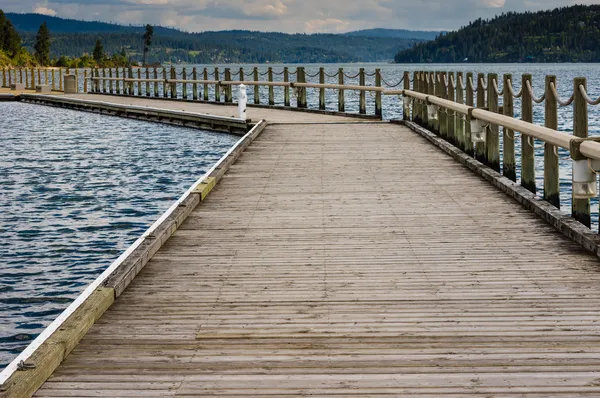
(256, 86)
(39, 74)
(155, 82)
(469, 102)
(131, 82)
(551, 177)
(363, 94)
(423, 87)
(9, 78)
(527, 143)
(406, 86)
(85, 81)
(480, 152)
(185, 86)
(508, 138)
(46, 76)
(341, 97)
(104, 80)
(286, 90)
(322, 90)
(493, 132)
(147, 82)
(217, 88)
(110, 82)
(228, 89)
(378, 109)
(118, 81)
(205, 87)
(580, 207)
(139, 81)
(415, 105)
(442, 115)
(26, 79)
(432, 89)
(459, 124)
(302, 102)
(450, 116)
(4, 77)
(194, 85)
(174, 85)
(271, 88)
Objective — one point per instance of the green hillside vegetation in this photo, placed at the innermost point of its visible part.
(568, 34)
(72, 38)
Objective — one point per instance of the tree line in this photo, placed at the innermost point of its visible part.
(566, 34)
(13, 53)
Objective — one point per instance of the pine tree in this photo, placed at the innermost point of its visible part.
(2, 28)
(42, 45)
(12, 40)
(98, 53)
(147, 41)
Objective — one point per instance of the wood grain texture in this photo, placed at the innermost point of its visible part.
(330, 260)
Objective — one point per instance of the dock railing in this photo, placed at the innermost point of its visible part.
(468, 116)
(467, 110)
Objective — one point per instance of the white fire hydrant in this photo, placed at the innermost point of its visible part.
(242, 101)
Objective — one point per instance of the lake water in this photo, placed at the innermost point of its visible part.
(76, 189)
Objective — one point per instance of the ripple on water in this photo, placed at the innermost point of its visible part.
(75, 190)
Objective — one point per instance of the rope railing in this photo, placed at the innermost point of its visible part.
(532, 94)
(496, 89)
(587, 98)
(391, 85)
(511, 90)
(559, 100)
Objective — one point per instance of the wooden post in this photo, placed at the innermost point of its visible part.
(155, 82)
(302, 79)
(21, 75)
(527, 148)
(241, 72)
(85, 81)
(406, 86)
(450, 115)
(442, 116)
(286, 90)
(185, 87)
(508, 139)
(173, 84)
(104, 80)
(415, 105)
(459, 124)
(580, 207)
(493, 132)
(118, 81)
(480, 152)
(10, 77)
(378, 108)
(341, 98)
(32, 79)
(39, 75)
(139, 81)
(147, 82)
(60, 79)
(363, 94)
(4, 77)
(228, 90)
(46, 76)
(551, 178)
(205, 87)
(322, 90)
(132, 81)
(26, 79)
(110, 82)
(422, 85)
(164, 76)
(194, 85)
(256, 87)
(271, 91)
(217, 88)
(469, 101)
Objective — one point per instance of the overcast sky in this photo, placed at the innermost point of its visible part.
(307, 16)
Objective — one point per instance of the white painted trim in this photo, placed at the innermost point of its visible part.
(56, 324)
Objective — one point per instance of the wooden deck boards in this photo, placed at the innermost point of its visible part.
(350, 260)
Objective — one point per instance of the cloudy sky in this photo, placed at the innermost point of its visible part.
(307, 16)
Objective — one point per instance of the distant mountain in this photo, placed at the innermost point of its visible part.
(396, 33)
(74, 38)
(567, 34)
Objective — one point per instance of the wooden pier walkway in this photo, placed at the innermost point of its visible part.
(345, 259)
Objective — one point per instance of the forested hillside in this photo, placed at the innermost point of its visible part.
(568, 34)
(74, 38)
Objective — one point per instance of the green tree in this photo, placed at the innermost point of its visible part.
(2, 29)
(12, 40)
(98, 53)
(42, 45)
(147, 41)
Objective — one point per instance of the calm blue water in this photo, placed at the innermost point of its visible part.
(76, 189)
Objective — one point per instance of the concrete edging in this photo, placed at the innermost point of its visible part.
(50, 354)
(563, 222)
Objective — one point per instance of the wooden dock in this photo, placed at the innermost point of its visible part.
(345, 257)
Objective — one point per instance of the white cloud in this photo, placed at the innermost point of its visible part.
(42, 8)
